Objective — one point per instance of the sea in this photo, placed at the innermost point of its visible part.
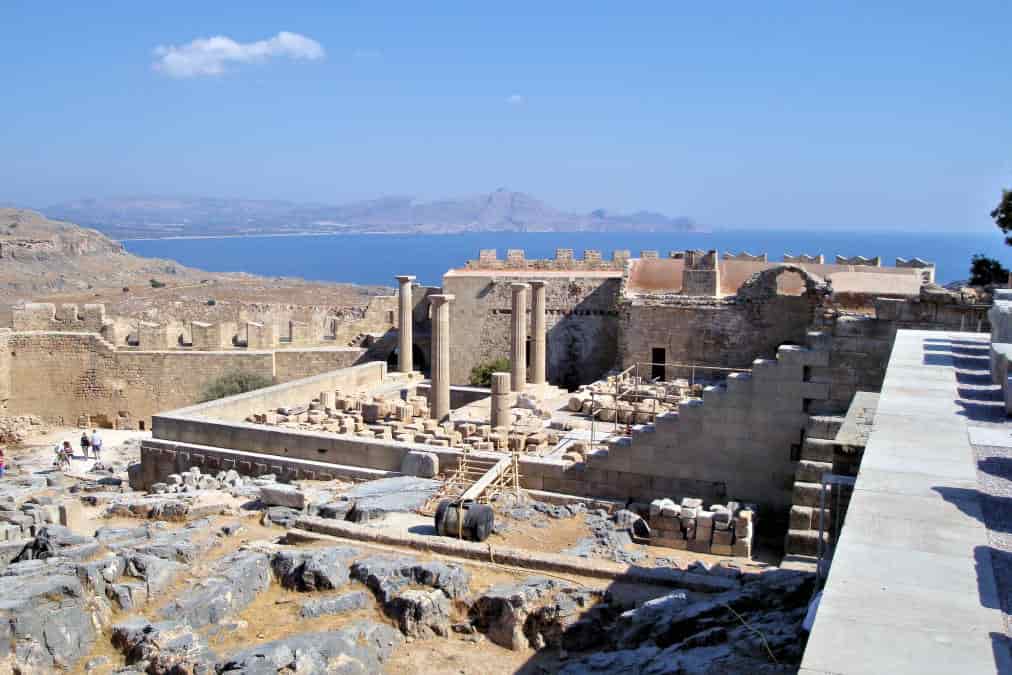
(374, 259)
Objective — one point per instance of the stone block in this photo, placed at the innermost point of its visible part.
(742, 548)
(420, 464)
(699, 545)
(723, 537)
(282, 495)
(722, 549)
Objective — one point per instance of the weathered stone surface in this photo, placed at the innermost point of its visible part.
(313, 570)
(420, 464)
(375, 499)
(356, 649)
(234, 582)
(348, 602)
(45, 622)
(279, 494)
(163, 647)
(502, 611)
(420, 613)
(337, 510)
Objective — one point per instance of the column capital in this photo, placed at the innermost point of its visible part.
(441, 298)
(518, 286)
(538, 283)
(405, 278)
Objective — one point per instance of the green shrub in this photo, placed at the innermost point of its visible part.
(234, 383)
(481, 374)
(155, 283)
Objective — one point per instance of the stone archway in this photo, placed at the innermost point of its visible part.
(763, 285)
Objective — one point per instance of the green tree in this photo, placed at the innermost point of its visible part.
(986, 271)
(230, 384)
(481, 374)
(1002, 215)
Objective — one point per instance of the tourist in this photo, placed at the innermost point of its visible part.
(96, 443)
(85, 444)
(64, 454)
(3, 463)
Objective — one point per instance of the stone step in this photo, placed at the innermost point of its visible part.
(807, 494)
(823, 427)
(804, 542)
(809, 471)
(807, 518)
(817, 450)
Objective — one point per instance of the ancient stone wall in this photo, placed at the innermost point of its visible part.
(294, 364)
(738, 442)
(715, 332)
(581, 317)
(5, 368)
(61, 376)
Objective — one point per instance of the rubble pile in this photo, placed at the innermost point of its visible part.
(408, 421)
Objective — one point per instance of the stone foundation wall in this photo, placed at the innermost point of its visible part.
(581, 316)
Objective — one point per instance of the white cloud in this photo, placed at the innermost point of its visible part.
(211, 56)
(516, 99)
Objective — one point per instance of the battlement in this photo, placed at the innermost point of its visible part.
(804, 258)
(859, 260)
(46, 316)
(565, 259)
(746, 256)
(928, 268)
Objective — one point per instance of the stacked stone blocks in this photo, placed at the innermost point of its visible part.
(723, 529)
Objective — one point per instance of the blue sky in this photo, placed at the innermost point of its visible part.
(767, 114)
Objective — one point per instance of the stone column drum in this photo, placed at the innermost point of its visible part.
(519, 345)
(501, 398)
(538, 350)
(439, 388)
(405, 355)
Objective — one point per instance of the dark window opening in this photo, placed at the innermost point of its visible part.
(140, 425)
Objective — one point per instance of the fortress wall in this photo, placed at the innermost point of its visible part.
(61, 375)
(65, 317)
(582, 323)
(716, 333)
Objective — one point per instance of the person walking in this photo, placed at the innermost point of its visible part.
(96, 444)
(3, 463)
(85, 444)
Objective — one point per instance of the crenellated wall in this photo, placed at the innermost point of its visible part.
(516, 259)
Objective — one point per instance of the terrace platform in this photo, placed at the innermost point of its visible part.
(912, 587)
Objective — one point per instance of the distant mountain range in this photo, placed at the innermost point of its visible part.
(499, 211)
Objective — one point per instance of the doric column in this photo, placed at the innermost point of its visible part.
(519, 345)
(439, 387)
(501, 398)
(405, 360)
(538, 352)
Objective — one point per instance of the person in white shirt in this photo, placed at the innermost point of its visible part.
(96, 443)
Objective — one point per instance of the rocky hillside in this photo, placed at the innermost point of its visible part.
(38, 256)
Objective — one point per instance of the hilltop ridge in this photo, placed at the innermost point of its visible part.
(502, 210)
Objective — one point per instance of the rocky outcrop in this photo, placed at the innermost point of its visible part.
(313, 570)
(538, 612)
(755, 629)
(356, 649)
(418, 612)
(234, 583)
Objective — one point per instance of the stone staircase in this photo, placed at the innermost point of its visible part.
(816, 459)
